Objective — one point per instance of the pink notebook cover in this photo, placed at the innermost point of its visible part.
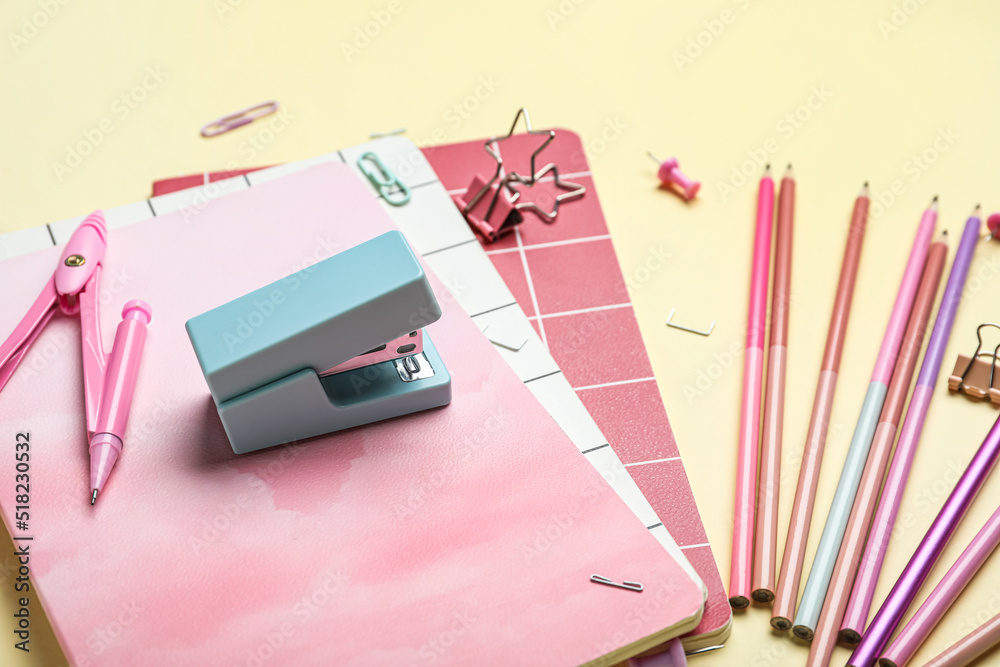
(565, 276)
(463, 535)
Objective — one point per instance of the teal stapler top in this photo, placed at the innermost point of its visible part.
(335, 345)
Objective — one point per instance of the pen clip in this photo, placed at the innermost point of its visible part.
(627, 585)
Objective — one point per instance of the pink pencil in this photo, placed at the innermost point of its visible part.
(970, 647)
(741, 566)
(944, 595)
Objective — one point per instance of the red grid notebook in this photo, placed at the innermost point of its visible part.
(566, 278)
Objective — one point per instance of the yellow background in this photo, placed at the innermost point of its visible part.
(610, 71)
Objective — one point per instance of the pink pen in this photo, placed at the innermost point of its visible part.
(116, 399)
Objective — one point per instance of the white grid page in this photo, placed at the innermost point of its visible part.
(437, 231)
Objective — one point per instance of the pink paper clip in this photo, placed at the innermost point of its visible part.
(239, 119)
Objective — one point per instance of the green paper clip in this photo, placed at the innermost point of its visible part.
(393, 190)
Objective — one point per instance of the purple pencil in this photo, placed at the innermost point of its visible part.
(909, 437)
(928, 552)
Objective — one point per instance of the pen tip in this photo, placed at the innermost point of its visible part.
(93, 497)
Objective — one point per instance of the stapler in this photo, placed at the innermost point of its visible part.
(334, 346)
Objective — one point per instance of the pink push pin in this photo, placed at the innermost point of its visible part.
(993, 224)
(670, 174)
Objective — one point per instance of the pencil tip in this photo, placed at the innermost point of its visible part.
(864, 190)
(935, 198)
(93, 497)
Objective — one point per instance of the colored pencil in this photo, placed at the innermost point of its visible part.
(909, 437)
(794, 555)
(970, 647)
(828, 626)
(766, 533)
(928, 551)
(836, 521)
(944, 595)
(740, 572)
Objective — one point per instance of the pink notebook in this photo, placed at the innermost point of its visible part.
(464, 535)
(565, 276)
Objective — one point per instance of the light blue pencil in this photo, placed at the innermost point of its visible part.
(857, 455)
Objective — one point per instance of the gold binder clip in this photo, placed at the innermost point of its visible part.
(975, 377)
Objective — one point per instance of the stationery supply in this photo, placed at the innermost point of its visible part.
(859, 522)
(238, 119)
(787, 590)
(836, 523)
(116, 397)
(618, 388)
(520, 283)
(993, 225)
(674, 179)
(888, 617)
(674, 325)
(493, 206)
(320, 357)
(766, 534)
(740, 573)
(870, 565)
(944, 595)
(974, 645)
(494, 541)
(974, 377)
(108, 380)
